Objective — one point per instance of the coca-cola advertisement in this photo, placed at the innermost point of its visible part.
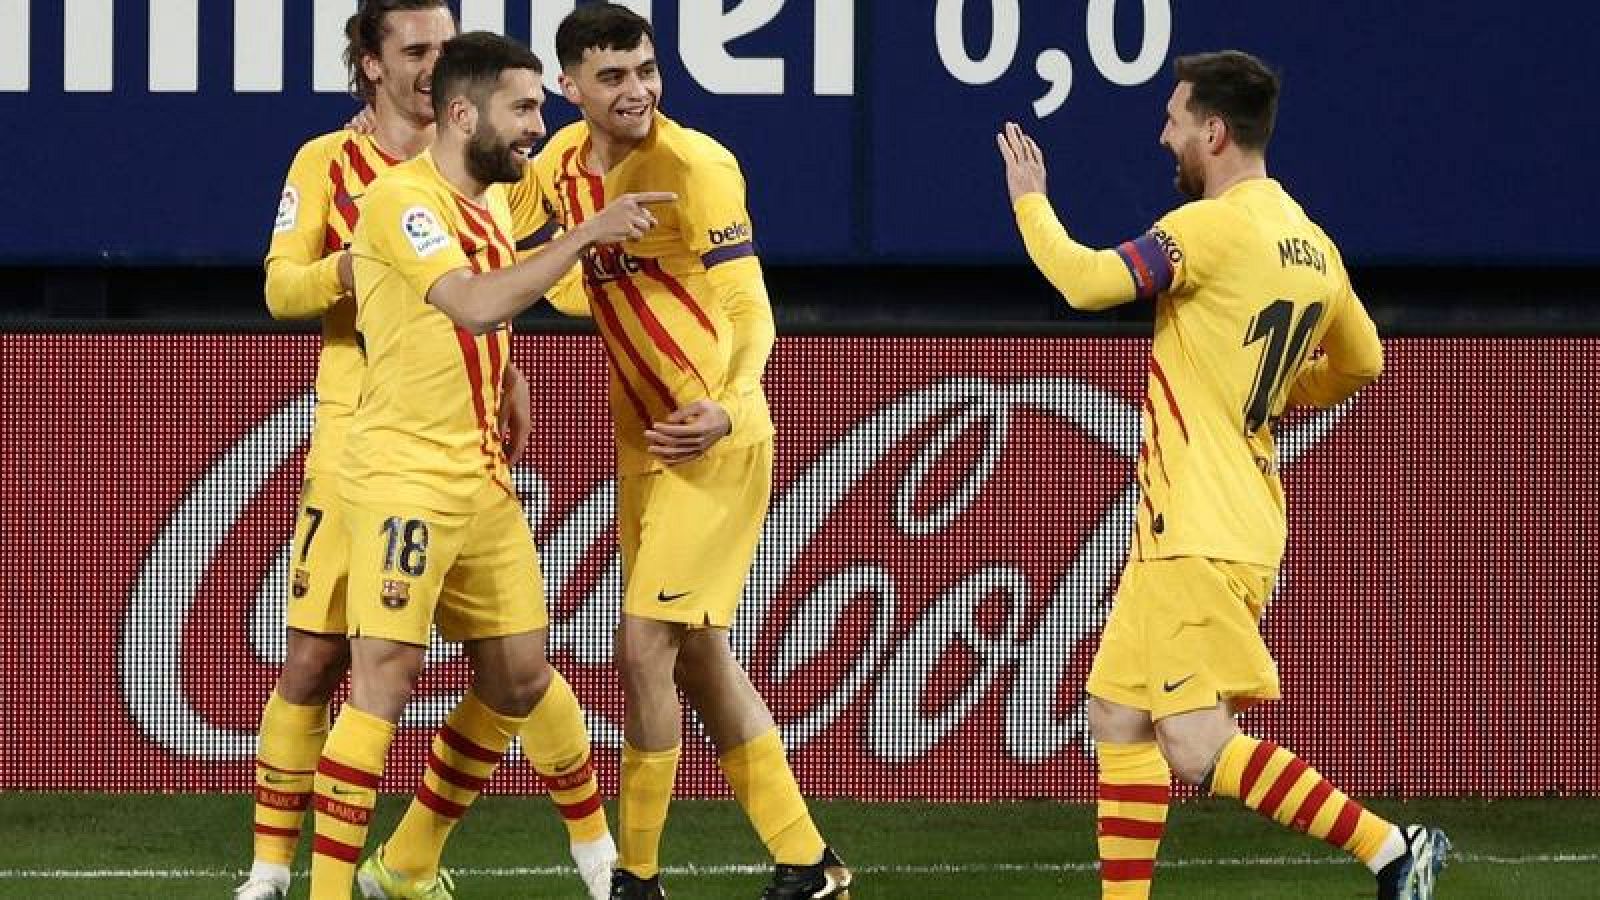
(949, 519)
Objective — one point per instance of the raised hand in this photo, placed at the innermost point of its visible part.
(365, 121)
(1024, 161)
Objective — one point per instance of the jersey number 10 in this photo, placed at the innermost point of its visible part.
(1286, 348)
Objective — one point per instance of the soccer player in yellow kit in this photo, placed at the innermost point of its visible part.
(435, 529)
(1245, 287)
(391, 53)
(686, 326)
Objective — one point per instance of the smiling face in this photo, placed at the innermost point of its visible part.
(510, 123)
(402, 70)
(1186, 136)
(616, 90)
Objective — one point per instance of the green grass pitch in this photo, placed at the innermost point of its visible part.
(181, 846)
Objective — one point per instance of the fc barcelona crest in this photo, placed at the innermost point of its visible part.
(396, 593)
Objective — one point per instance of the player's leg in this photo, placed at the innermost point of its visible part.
(700, 539)
(752, 758)
(556, 742)
(493, 600)
(1133, 783)
(399, 558)
(294, 722)
(509, 674)
(1211, 665)
(382, 675)
(646, 652)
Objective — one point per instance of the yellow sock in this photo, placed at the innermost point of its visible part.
(346, 790)
(647, 777)
(464, 754)
(556, 742)
(764, 784)
(1131, 806)
(286, 761)
(1280, 786)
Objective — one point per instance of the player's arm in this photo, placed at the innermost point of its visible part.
(718, 228)
(534, 223)
(1351, 359)
(481, 302)
(714, 205)
(1088, 279)
(304, 282)
(516, 413)
(568, 295)
(742, 293)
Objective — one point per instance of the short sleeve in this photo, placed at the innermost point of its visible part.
(407, 228)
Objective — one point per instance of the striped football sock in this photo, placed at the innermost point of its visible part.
(556, 742)
(346, 790)
(1134, 789)
(464, 754)
(1279, 785)
(290, 742)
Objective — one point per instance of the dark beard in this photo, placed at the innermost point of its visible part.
(1190, 184)
(489, 161)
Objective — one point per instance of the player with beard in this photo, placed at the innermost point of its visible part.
(436, 533)
(686, 325)
(1245, 288)
(392, 47)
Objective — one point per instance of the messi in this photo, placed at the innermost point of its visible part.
(733, 234)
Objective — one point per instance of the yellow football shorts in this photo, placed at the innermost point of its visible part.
(318, 560)
(475, 575)
(1185, 634)
(689, 534)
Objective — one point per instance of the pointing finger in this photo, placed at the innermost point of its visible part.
(653, 197)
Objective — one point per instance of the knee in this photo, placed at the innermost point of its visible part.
(383, 677)
(518, 691)
(695, 669)
(646, 665)
(1191, 757)
(313, 668)
(1100, 718)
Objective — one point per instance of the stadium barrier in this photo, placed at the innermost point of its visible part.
(948, 522)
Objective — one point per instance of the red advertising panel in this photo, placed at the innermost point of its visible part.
(948, 523)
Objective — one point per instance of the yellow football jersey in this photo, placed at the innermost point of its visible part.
(668, 339)
(1247, 288)
(426, 431)
(317, 215)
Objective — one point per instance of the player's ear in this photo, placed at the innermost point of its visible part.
(569, 89)
(463, 113)
(372, 67)
(1216, 134)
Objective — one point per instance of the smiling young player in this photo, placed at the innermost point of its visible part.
(686, 325)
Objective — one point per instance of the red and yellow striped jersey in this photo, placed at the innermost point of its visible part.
(426, 432)
(667, 335)
(317, 215)
(1247, 287)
